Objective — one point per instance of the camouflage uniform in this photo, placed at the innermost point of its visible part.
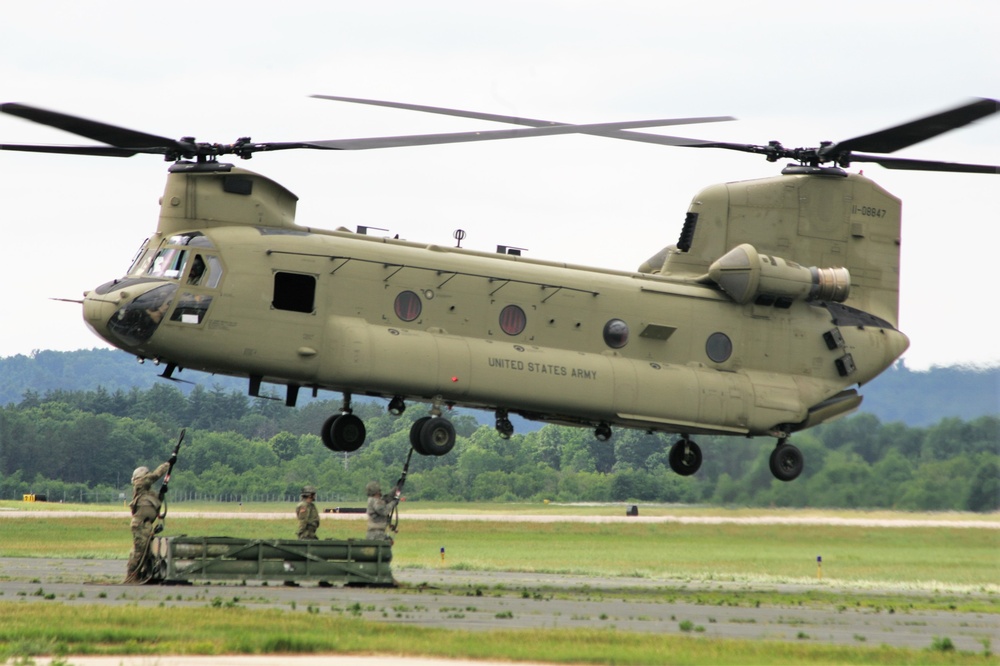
(307, 514)
(378, 512)
(145, 507)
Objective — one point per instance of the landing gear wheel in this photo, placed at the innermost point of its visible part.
(348, 432)
(415, 435)
(437, 436)
(602, 432)
(685, 457)
(786, 462)
(326, 435)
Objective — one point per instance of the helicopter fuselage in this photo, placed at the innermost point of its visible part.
(230, 285)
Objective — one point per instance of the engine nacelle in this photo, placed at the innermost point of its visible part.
(748, 276)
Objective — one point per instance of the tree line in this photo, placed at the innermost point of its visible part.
(85, 444)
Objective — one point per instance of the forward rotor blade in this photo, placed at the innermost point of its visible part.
(102, 151)
(924, 165)
(895, 138)
(614, 133)
(460, 137)
(91, 129)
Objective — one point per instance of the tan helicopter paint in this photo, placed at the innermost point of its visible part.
(559, 368)
(814, 220)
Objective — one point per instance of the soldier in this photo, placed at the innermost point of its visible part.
(307, 514)
(379, 511)
(145, 507)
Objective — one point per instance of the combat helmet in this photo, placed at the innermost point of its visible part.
(308, 490)
(139, 473)
(373, 489)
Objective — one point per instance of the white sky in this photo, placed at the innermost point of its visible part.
(799, 72)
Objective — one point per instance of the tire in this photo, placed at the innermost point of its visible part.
(415, 435)
(786, 462)
(348, 432)
(326, 434)
(437, 436)
(685, 457)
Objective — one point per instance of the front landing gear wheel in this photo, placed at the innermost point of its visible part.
(343, 432)
(415, 435)
(348, 432)
(786, 462)
(437, 436)
(325, 435)
(685, 457)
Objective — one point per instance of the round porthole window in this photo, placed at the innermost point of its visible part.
(407, 306)
(719, 347)
(616, 334)
(513, 320)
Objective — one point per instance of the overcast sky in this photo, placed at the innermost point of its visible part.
(798, 72)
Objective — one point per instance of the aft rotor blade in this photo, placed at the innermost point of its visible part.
(924, 165)
(112, 135)
(615, 133)
(895, 138)
(460, 137)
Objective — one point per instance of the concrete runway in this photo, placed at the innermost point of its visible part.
(476, 601)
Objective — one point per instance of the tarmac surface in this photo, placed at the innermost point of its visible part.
(481, 601)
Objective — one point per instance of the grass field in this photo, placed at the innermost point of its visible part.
(943, 568)
(959, 558)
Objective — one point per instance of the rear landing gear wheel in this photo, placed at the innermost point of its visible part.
(786, 461)
(685, 457)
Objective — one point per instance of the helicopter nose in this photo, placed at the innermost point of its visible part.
(127, 314)
(97, 310)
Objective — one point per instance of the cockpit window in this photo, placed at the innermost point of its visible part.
(206, 271)
(137, 266)
(193, 239)
(169, 263)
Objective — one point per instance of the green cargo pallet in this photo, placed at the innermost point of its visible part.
(183, 559)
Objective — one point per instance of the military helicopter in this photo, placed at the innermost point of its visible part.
(778, 300)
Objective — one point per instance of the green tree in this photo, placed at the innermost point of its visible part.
(984, 489)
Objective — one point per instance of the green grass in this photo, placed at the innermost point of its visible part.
(944, 569)
(55, 629)
(927, 558)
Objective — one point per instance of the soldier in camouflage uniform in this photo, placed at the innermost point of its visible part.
(307, 514)
(145, 507)
(379, 511)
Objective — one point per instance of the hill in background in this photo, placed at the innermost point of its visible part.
(898, 395)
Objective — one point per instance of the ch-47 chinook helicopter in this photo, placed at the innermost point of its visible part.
(779, 298)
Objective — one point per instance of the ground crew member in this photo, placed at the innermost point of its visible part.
(307, 514)
(378, 511)
(145, 507)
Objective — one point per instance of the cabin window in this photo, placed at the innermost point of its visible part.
(616, 334)
(294, 292)
(407, 306)
(512, 320)
(719, 347)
